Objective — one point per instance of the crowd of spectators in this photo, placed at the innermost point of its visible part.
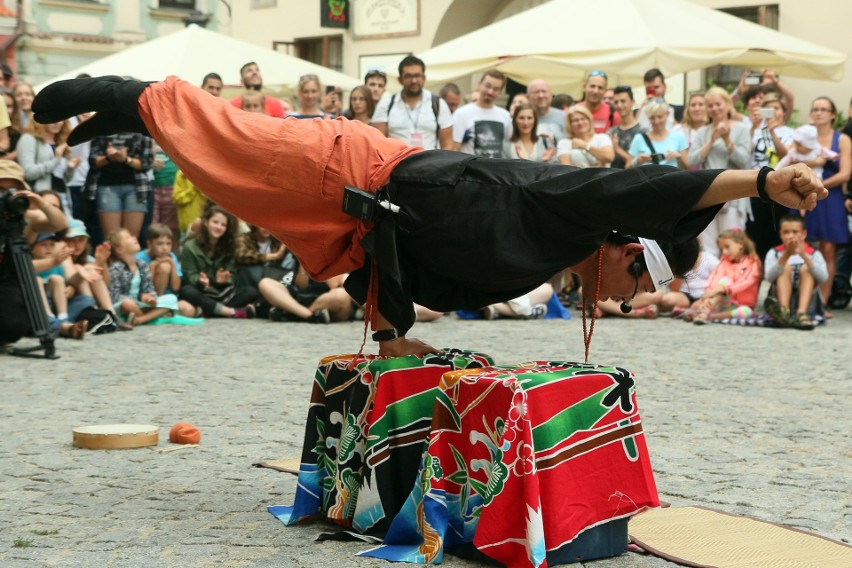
(141, 244)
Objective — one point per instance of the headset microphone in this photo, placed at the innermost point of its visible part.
(627, 306)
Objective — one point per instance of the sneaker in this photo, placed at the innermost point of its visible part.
(277, 314)
(538, 312)
(320, 316)
(247, 312)
(490, 313)
(776, 311)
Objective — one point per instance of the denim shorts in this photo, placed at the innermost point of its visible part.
(118, 198)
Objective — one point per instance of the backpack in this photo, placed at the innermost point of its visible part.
(100, 321)
(435, 109)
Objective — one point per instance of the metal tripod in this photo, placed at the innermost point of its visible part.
(18, 249)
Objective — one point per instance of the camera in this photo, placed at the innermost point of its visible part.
(545, 139)
(767, 113)
(753, 79)
(12, 209)
(658, 158)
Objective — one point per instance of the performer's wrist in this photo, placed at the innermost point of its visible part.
(761, 183)
(384, 335)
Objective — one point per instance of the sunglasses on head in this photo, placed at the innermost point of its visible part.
(597, 73)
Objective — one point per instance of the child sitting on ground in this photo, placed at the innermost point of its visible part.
(733, 286)
(294, 296)
(209, 268)
(806, 148)
(48, 256)
(165, 266)
(88, 279)
(794, 269)
(529, 306)
(684, 291)
(131, 287)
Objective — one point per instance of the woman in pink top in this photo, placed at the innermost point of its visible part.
(733, 286)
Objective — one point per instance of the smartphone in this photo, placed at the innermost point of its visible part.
(658, 158)
(650, 92)
(767, 113)
(330, 89)
(753, 79)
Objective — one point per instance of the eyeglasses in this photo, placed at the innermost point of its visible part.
(597, 73)
(412, 77)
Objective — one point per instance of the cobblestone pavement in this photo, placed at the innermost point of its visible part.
(750, 421)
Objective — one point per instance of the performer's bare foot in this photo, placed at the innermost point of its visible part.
(404, 346)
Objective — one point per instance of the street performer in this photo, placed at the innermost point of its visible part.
(443, 229)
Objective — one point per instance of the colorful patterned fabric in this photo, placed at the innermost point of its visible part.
(521, 460)
(366, 432)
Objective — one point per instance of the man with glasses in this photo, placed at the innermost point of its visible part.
(376, 81)
(480, 128)
(252, 80)
(550, 120)
(414, 115)
(604, 116)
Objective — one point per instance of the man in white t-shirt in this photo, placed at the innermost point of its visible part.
(480, 128)
(550, 120)
(413, 115)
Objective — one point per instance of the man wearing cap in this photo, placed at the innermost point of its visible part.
(443, 229)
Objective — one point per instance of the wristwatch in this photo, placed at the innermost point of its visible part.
(386, 335)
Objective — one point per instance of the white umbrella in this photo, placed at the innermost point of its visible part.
(563, 39)
(194, 51)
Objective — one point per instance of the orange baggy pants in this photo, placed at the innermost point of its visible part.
(286, 175)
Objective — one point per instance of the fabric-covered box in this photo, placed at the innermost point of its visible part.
(365, 435)
(522, 461)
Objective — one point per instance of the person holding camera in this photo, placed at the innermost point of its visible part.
(28, 214)
(659, 145)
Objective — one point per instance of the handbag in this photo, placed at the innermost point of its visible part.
(655, 157)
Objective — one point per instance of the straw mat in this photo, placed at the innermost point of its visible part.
(287, 465)
(701, 537)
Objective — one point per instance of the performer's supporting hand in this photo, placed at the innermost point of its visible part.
(404, 346)
(795, 186)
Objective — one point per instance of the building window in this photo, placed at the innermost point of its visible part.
(326, 51)
(257, 4)
(177, 4)
(728, 76)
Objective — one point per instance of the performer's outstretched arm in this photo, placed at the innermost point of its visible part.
(794, 186)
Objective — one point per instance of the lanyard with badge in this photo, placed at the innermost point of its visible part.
(415, 137)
